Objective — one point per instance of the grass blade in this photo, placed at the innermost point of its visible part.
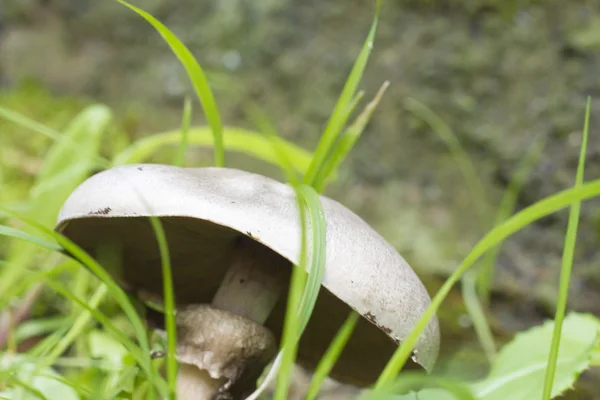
(17, 234)
(301, 302)
(235, 139)
(197, 77)
(63, 170)
(477, 315)
(567, 265)
(340, 114)
(536, 211)
(263, 123)
(317, 263)
(475, 187)
(169, 305)
(185, 129)
(461, 157)
(42, 129)
(76, 328)
(348, 139)
(485, 274)
(332, 355)
(116, 291)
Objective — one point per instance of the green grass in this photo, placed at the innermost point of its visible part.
(94, 304)
(567, 265)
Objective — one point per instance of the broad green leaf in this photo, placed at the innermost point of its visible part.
(519, 369)
(235, 139)
(438, 388)
(47, 381)
(106, 347)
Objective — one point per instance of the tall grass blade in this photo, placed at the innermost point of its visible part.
(185, 129)
(567, 265)
(332, 354)
(76, 328)
(301, 302)
(340, 114)
(303, 290)
(17, 234)
(169, 304)
(266, 127)
(348, 140)
(32, 125)
(475, 187)
(197, 77)
(485, 273)
(461, 157)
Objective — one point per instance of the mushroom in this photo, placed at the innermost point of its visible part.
(233, 236)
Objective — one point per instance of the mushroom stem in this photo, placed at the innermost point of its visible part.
(231, 341)
(194, 383)
(253, 283)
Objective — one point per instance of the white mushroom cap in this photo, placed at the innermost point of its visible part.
(205, 209)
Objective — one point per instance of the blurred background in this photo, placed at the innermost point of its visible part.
(502, 75)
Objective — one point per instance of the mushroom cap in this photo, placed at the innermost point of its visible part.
(204, 211)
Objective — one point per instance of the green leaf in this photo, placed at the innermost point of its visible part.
(106, 347)
(46, 381)
(443, 389)
(197, 77)
(519, 369)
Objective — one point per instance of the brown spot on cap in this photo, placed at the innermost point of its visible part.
(101, 211)
(372, 318)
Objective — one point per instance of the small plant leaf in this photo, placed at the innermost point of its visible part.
(519, 369)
